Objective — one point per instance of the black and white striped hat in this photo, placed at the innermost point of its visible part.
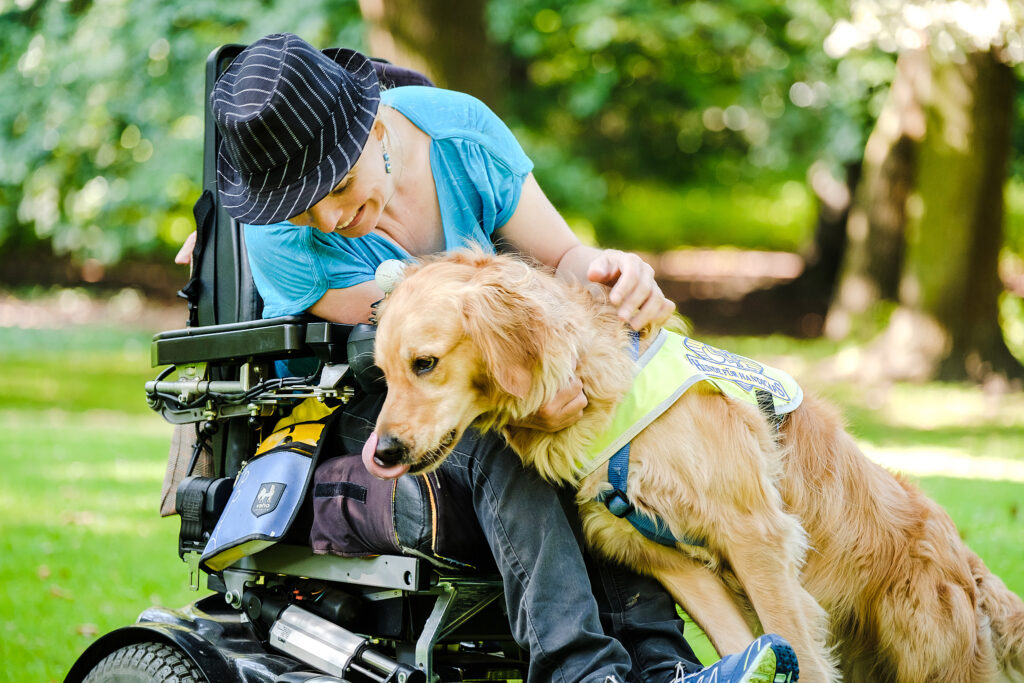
(293, 121)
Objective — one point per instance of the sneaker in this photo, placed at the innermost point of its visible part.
(769, 659)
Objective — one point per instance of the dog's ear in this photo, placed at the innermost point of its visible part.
(506, 326)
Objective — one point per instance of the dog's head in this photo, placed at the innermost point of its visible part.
(464, 337)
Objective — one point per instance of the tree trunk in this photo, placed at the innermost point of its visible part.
(445, 39)
(874, 250)
(929, 215)
(951, 282)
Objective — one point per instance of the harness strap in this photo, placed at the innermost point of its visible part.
(617, 501)
(766, 403)
(205, 213)
(730, 374)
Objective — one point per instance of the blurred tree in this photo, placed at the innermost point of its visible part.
(102, 145)
(445, 39)
(609, 96)
(927, 227)
(645, 102)
(874, 253)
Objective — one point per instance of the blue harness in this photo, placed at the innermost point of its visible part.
(616, 499)
(773, 391)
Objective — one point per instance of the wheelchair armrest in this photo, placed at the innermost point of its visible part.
(269, 339)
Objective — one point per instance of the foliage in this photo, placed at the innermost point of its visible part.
(614, 99)
(1014, 227)
(1011, 320)
(949, 30)
(103, 144)
(700, 93)
(657, 218)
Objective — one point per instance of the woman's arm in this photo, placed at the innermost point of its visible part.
(537, 229)
(350, 305)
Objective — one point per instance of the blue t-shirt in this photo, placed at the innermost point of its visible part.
(478, 168)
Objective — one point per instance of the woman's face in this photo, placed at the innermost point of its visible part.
(353, 208)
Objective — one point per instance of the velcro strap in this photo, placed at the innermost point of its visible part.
(190, 507)
(204, 212)
(340, 489)
(766, 402)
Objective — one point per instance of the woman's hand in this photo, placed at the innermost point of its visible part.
(538, 230)
(184, 256)
(634, 292)
(563, 410)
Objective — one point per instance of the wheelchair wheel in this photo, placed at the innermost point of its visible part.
(146, 663)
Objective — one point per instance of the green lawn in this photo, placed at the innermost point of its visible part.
(82, 550)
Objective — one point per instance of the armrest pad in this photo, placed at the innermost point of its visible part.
(272, 338)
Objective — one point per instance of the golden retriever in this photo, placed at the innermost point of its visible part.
(866, 577)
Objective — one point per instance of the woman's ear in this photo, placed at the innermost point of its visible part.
(378, 129)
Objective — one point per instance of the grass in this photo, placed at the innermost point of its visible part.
(82, 550)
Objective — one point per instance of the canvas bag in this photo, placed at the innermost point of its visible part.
(353, 514)
(270, 490)
(429, 516)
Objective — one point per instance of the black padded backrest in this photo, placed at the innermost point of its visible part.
(224, 291)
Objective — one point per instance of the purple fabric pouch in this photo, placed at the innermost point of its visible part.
(428, 516)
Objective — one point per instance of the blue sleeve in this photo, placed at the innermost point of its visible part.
(506, 183)
(500, 163)
(293, 267)
(489, 183)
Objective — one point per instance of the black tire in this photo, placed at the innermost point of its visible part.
(146, 663)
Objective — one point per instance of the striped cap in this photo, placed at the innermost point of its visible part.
(293, 121)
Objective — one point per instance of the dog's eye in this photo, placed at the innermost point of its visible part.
(424, 364)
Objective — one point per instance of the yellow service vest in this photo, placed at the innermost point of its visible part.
(671, 365)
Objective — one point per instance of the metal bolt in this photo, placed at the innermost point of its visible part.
(233, 598)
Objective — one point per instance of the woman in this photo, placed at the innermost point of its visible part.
(331, 177)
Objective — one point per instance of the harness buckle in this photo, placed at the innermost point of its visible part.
(617, 503)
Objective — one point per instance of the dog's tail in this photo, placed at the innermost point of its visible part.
(1005, 611)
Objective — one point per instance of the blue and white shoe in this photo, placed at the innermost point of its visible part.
(769, 659)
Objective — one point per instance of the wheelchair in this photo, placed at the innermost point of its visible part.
(283, 614)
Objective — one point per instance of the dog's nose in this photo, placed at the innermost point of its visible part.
(390, 451)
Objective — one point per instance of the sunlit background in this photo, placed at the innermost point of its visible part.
(837, 187)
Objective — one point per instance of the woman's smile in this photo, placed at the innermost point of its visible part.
(353, 221)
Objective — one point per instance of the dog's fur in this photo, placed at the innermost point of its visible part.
(806, 537)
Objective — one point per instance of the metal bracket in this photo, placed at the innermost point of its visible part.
(331, 375)
(192, 560)
(456, 604)
(235, 582)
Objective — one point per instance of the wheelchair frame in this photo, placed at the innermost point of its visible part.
(390, 618)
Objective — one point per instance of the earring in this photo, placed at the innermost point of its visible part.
(387, 158)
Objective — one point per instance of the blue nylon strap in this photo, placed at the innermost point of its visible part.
(617, 501)
(618, 465)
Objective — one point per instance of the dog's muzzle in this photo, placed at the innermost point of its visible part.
(392, 451)
(435, 455)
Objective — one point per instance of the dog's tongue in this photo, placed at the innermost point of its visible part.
(375, 468)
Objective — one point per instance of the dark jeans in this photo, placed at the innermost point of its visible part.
(578, 625)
